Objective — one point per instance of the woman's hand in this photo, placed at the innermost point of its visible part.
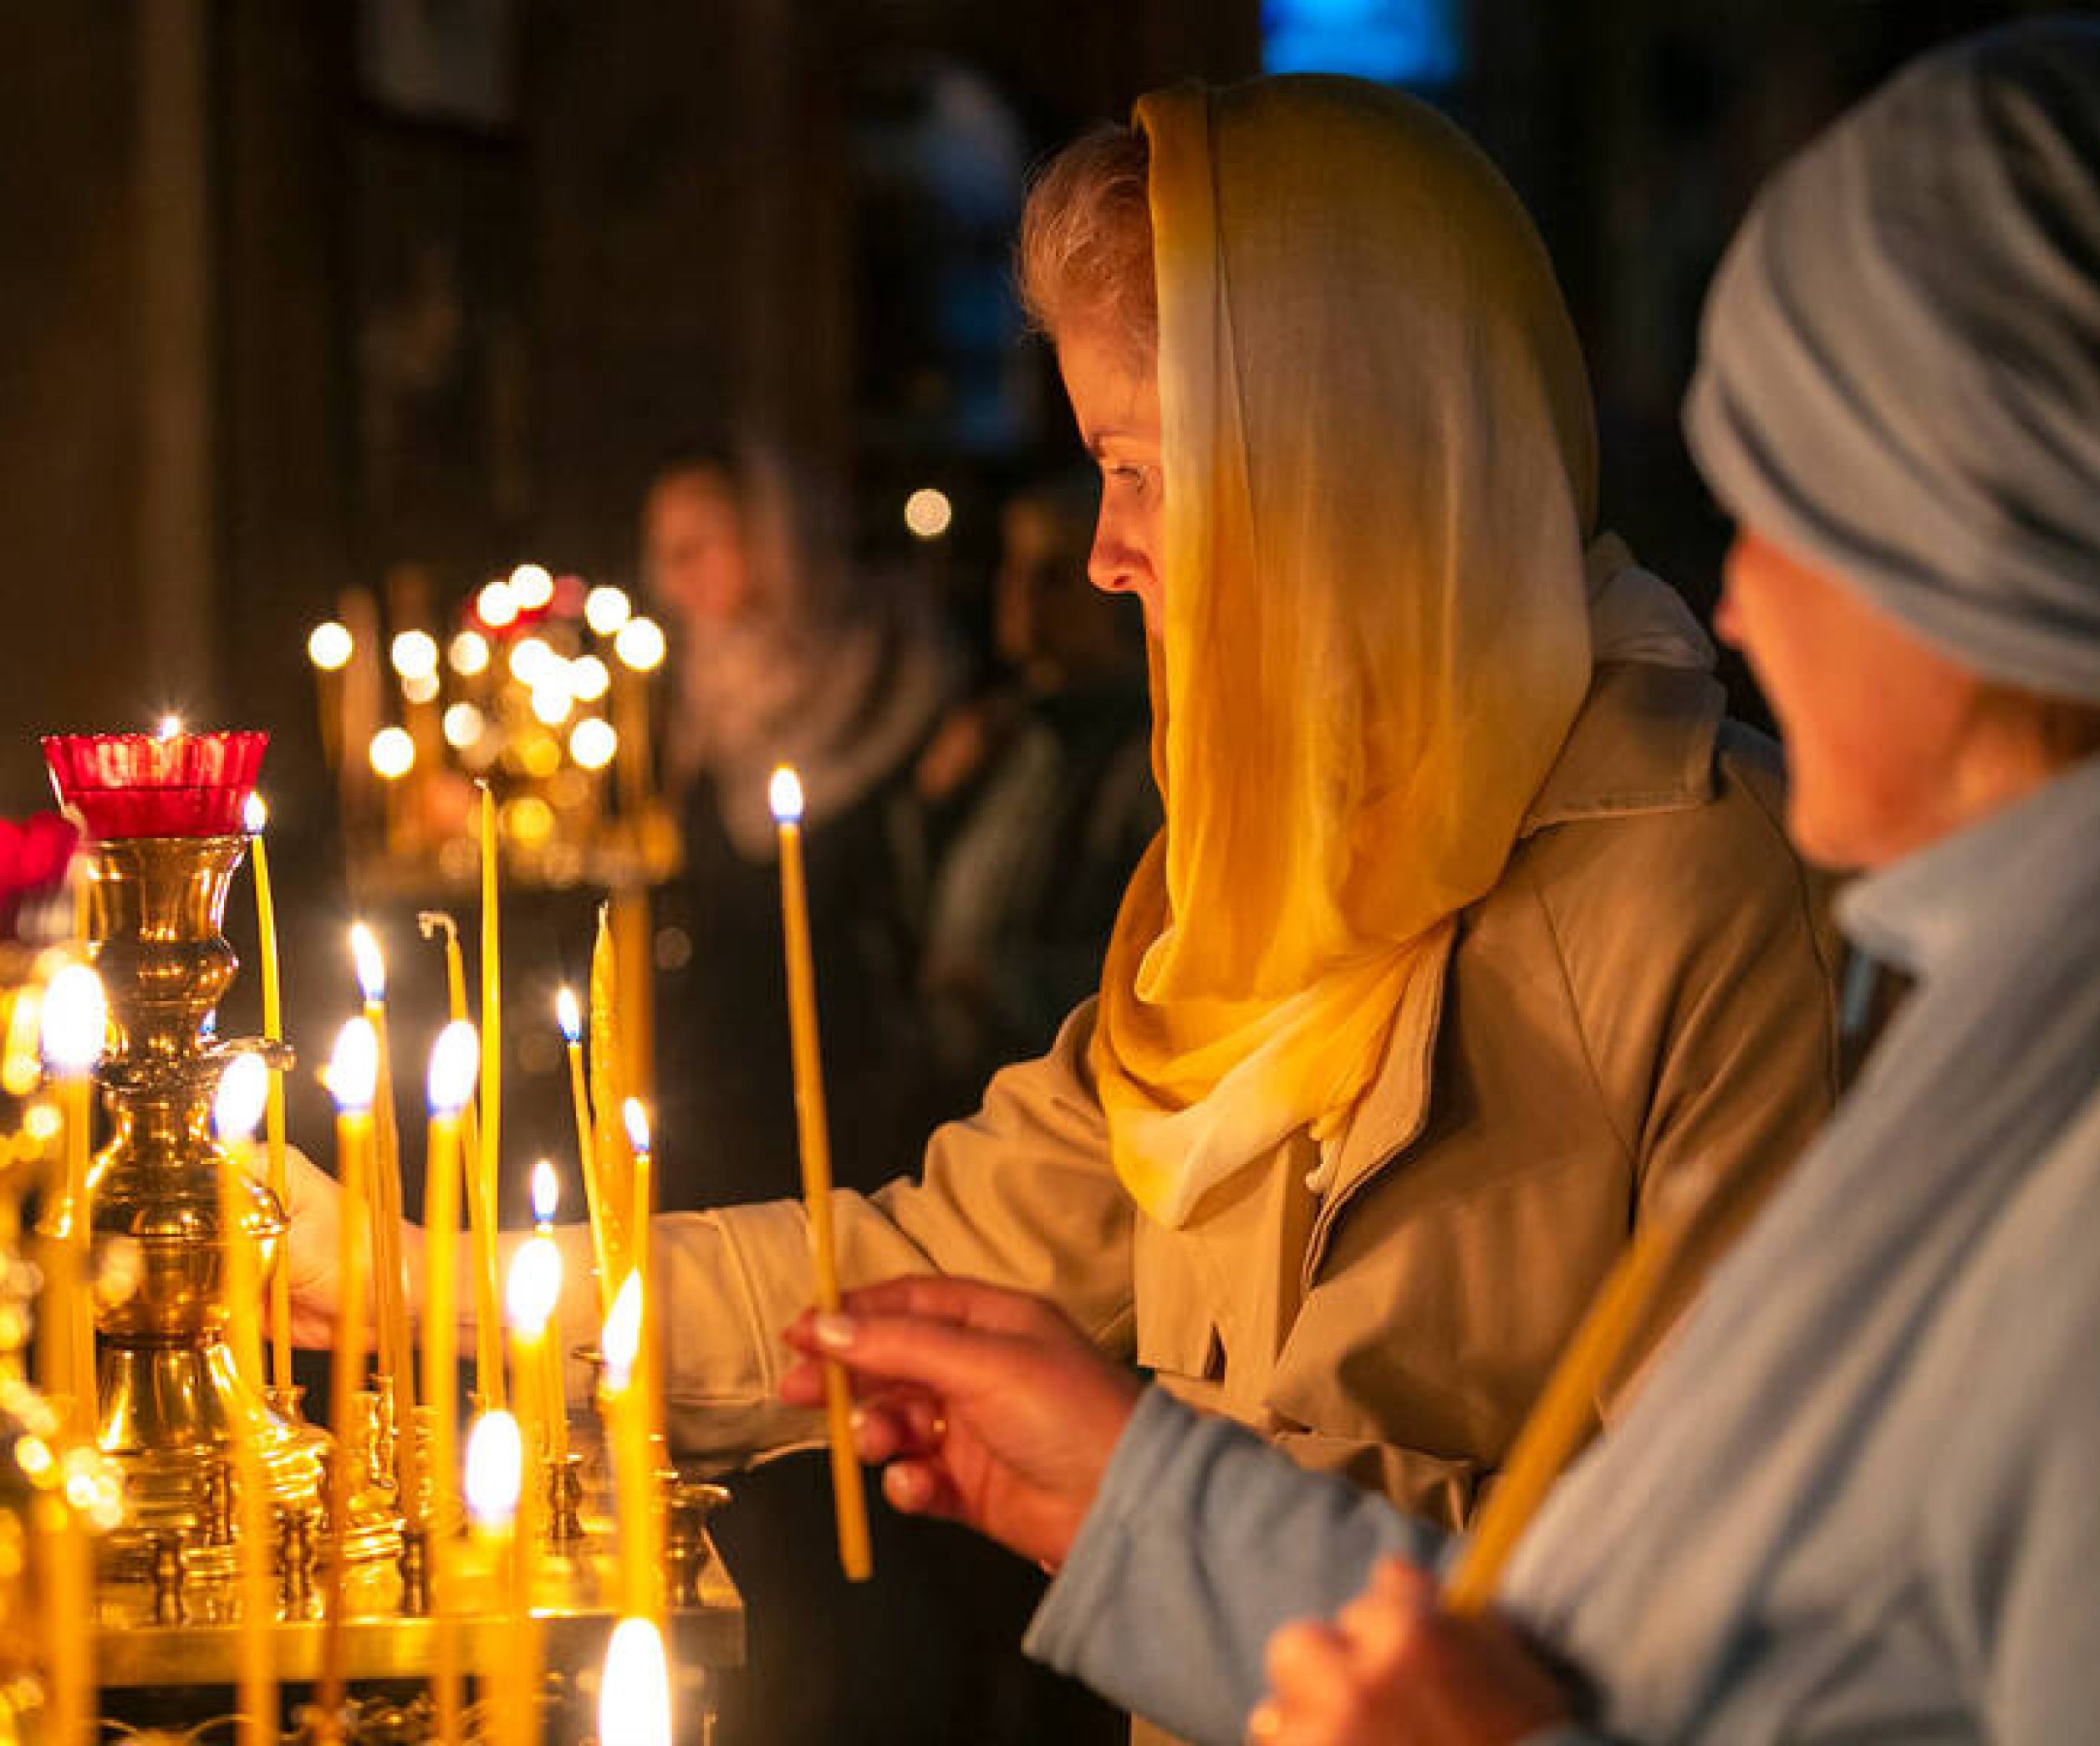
(313, 1245)
(1395, 1667)
(987, 1406)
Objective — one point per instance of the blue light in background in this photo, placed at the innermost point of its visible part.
(1396, 42)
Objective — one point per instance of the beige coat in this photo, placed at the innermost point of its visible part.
(1642, 1005)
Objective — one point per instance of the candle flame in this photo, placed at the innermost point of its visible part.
(621, 1341)
(636, 1119)
(569, 1016)
(634, 1693)
(75, 1017)
(639, 644)
(495, 1470)
(254, 815)
(370, 966)
(606, 609)
(171, 725)
(456, 1058)
(533, 1285)
(785, 793)
(330, 647)
(354, 1070)
(547, 1193)
(243, 1089)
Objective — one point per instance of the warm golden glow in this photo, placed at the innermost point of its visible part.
(468, 653)
(588, 678)
(636, 1120)
(330, 646)
(243, 1089)
(533, 662)
(456, 1058)
(547, 1193)
(75, 1017)
(421, 688)
(393, 753)
(784, 792)
(414, 654)
(369, 965)
(593, 742)
(606, 609)
(495, 605)
(928, 513)
(639, 644)
(254, 815)
(634, 1691)
(464, 726)
(354, 1070)
(495, 1471)
(533, 1285)
(169, 725)
(528, 820)
(532, 586)
(551, 704)
(541, 754)
(621, 1341)
(569, 1015)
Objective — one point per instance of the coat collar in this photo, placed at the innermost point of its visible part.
(1643, 742)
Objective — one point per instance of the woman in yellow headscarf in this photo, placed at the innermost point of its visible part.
(1471, 935)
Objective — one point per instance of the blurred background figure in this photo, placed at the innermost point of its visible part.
(784, 655)
(1038, 800)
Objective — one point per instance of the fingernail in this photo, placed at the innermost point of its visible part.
(833, 1331)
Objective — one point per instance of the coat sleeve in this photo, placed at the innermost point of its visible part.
(1746, 1062)
(1022, 1194)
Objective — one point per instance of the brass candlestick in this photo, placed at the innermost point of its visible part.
(171, 1399)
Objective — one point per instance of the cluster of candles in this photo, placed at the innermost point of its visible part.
(542, 686)
(522, 1417)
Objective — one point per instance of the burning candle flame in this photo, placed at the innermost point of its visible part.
(456, 1059)
(633, 1693)
(547, 1193)
(354, 1070)
(371, 967)
(171, 725)
(254, 815)
(495, 1470)
(621, 1339)
(569, 1016)
(785, 793)
(75, 1018)
(243, 1090)
(533, 1285)
(636, 1119)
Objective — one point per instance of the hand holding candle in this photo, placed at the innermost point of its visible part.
(849, 1496)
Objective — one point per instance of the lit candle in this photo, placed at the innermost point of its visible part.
(495, 1486)
(848, 1497)
(75, 1019)
(569, 1016)
(634, 1691)
(546, 1202)
(634, 1495)
(394, 1343)
(488, 1327)
(353, 1081)
(642, 1198)
(330, 648)
(258, 817)
(64, 1564)
(531, 1290)
(244, 1092)
(432, 923)
(453, 1064)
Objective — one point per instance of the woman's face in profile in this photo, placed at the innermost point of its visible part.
(693, 542)
(1116, 399)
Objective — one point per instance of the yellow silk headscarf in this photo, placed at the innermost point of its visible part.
(1378, 472)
